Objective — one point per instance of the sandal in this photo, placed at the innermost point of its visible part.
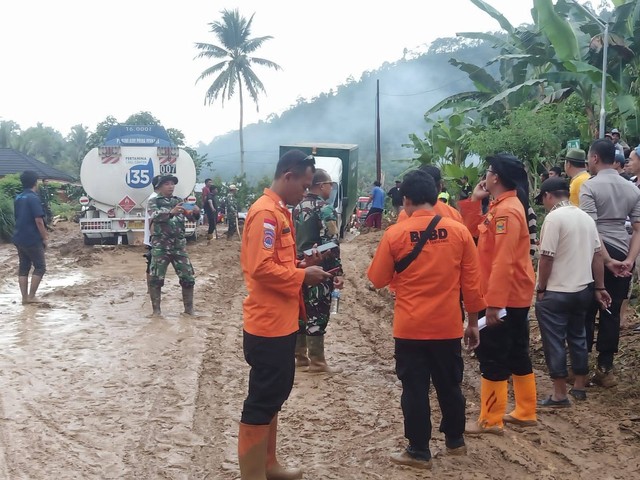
(580, 395)
(550, 402)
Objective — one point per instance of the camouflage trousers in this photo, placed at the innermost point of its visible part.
(160, 260)
(233, 225)
(317, 302)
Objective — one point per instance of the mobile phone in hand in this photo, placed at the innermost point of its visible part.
(322, 248)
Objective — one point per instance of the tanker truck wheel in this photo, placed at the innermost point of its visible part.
(193, 237)
(91, 241)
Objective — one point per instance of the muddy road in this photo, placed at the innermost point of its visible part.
(92, 387)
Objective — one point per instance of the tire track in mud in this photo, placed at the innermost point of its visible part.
(222, 378)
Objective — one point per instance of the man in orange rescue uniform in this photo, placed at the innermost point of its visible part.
(426, 324)
(508, 282)
(271, 310)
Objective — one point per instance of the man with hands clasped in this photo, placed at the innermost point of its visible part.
(609, 199)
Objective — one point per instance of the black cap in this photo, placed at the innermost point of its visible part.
(553, 184)
(509, 168)
(167, 178)
(155, 181)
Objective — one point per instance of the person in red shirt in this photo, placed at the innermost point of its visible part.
(508, 282)
(274, 280)
(426, 323)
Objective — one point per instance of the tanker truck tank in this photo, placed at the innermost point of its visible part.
(117, 179)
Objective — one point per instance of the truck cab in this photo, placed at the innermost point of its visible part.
(341, 163)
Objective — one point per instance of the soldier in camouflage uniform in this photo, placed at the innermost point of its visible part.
(316, 224)
(167, 216)
(232, 212)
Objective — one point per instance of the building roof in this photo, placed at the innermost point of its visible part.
(12, 161)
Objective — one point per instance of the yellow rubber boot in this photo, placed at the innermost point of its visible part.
(524, 391)
(274, 470)
(493, 398)
(252, 451)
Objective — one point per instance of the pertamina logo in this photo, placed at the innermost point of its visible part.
(127, 204)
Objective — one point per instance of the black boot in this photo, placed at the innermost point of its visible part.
(187, 300)
(156, 296)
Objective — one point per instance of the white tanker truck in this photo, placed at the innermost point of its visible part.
(117, 179)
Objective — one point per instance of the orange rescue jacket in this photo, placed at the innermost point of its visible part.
(508, 279)
(428, 292)
(440, 208)
(268, 259)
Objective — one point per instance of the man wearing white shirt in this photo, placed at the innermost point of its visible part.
(570, 260)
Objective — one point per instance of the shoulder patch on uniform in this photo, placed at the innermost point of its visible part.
(501, 225)
(268, 238)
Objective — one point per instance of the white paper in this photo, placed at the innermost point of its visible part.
(482, 322)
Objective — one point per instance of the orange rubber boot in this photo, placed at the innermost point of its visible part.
(524, 391)
(274, 470)
(252, 451)
(493, 398)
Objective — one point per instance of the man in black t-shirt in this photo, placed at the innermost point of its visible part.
(396, 197)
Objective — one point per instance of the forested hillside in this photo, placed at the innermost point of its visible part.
(408, 87)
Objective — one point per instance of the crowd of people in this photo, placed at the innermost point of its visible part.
(441, 263)
(461, 278)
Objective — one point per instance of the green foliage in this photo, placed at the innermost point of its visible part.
(557, 30)
(7, 220)
(73, 192)
(8, 133)
(199, 161)
(10, 186)
(142, 118)
(98, 137)
(558, 57)
(445, 143)
(536, 138)
(452, 174)
(68, 211)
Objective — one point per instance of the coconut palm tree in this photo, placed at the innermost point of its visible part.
(235, 70)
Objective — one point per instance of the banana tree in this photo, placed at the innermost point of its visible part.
(445, 142)
(551, 60)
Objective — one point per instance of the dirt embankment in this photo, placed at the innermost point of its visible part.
(91, 387)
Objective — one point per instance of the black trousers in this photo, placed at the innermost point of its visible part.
(272, 362)
(417, 363)
(504, 349)
(212, 219)
(609, 324)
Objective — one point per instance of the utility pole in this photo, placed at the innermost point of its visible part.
(605, 51)
(378, 154)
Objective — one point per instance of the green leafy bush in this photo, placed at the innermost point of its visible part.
(10, 186)
(67, 211)
(7, 221)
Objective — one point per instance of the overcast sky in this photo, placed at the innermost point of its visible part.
(74, 61)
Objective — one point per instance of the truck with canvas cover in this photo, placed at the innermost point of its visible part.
(117, 179)
(340, 160)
